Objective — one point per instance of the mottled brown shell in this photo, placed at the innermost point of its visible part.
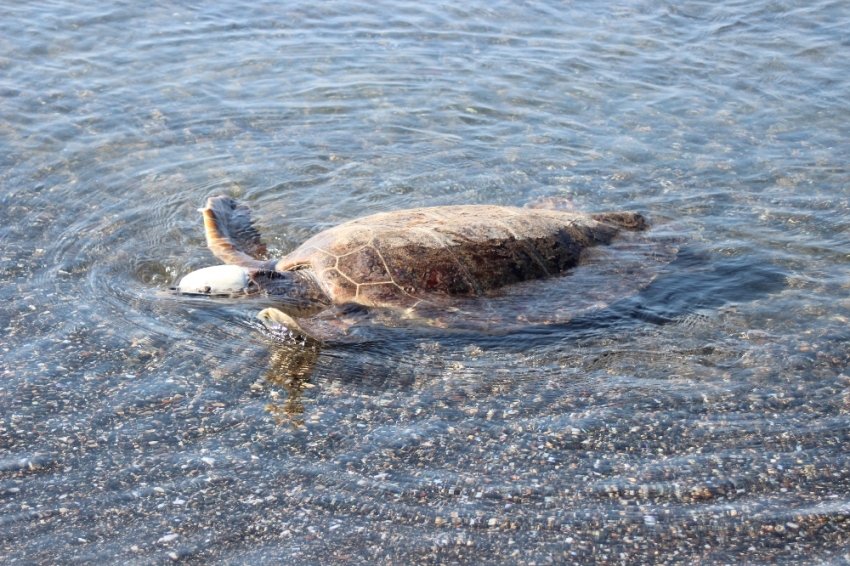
(400, 258)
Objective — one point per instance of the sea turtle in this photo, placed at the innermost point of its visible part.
(424, 264)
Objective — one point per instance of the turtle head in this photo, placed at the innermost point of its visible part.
(216, 280)
(294, 291)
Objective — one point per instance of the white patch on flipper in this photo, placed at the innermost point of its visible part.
(218, 279)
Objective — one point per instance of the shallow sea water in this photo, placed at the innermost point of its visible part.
(704, 419)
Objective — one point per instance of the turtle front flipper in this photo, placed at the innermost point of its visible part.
(338, 324)
(231, 235)
(276, 319)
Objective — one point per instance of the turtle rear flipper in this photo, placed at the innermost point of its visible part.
(231, 235)
(632, 221)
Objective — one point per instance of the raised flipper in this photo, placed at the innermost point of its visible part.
(231, 235)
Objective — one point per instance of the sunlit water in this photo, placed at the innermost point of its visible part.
(705, 417)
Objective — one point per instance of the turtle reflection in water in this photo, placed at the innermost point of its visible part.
(474, 267)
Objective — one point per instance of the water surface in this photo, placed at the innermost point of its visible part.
(705, 417)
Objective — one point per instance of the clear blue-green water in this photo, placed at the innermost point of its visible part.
(705, 418)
